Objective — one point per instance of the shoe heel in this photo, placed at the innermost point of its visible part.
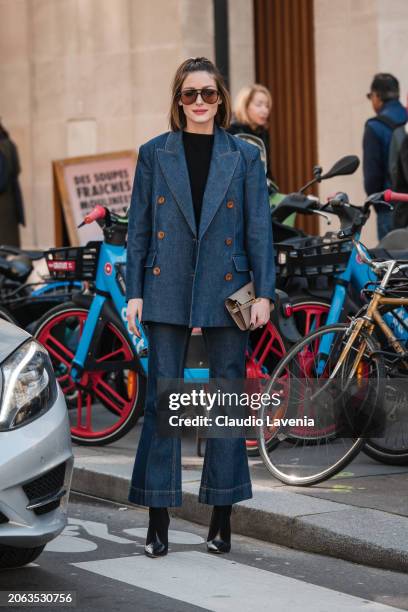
(218, 546)
(157, 533)
(219, 533)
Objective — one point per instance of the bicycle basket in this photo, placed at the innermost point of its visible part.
(318, 256)
(73, 263)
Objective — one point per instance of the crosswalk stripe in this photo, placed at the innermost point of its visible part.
(174, 535)
(227, 586)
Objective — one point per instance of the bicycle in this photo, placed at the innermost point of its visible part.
(356, 275)
(79, 334)
(308, 266)
(100, 366)
(23, 302)
(319, 373)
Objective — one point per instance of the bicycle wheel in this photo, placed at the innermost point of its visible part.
(392, 447)
(109, 399)
(317, 401)
(266, 348)
(309, 313)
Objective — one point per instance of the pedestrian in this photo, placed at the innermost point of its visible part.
(390, 113)
(198, 223)
(11, 199)
(252, 108)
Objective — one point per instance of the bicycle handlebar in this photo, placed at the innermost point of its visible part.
(113, 225)
(394, 196)
(352, 218)
(99, 212)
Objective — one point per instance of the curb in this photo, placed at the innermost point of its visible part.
(327, 528)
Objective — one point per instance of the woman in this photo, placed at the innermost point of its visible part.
(198, 223)
(253, 106)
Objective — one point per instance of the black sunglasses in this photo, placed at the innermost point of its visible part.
(189, 96)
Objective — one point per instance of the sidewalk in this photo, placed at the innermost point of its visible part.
(361, 515)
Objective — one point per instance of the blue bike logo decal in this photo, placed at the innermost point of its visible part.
(138, 343)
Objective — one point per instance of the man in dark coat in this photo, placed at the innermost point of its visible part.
(11, 200)
(384, 96)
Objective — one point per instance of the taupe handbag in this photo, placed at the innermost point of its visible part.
(239, 305)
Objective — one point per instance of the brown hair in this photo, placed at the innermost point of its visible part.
(177, 118)
(244, 98)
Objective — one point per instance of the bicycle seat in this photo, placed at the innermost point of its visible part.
(396, 240)
(382, 254)
(32, 255)
(17, 267)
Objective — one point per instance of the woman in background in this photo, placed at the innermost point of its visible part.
(252, 108)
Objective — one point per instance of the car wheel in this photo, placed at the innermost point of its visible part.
(11, 556)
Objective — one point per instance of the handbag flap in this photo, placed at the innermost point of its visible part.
(244, 294)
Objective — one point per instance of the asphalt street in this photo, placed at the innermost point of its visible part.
(100, 557)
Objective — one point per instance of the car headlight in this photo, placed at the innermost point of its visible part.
(28, 385)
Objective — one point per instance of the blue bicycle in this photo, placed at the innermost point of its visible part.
(23, 302)
(100, 365)
(355, 363)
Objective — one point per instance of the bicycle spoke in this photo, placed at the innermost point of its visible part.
(110, 355)
(66, 378)
(106, 403)
(260, 362)
(64, 355)
(79, 411)
(88, 412)
(311, 450)
(103, 395)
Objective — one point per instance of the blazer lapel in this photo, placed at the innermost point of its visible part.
(222, 166)
(173, 164)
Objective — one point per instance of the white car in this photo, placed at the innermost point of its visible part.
(36, 460)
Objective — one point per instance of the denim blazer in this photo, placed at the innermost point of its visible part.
(184, 272)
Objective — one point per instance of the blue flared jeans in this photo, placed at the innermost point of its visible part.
(156, 477)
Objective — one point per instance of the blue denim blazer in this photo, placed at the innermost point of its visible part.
(184, 273)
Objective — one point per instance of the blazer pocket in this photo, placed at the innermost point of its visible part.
(150, 257)
(241, 263)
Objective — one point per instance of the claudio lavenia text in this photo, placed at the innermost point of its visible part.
(249, 421)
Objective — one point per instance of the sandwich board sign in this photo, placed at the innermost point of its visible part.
(81, 183)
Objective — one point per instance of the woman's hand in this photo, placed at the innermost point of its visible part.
(260, 313)
(134, 309)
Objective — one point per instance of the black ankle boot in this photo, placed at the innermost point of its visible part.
(219, 533)
(157, 533)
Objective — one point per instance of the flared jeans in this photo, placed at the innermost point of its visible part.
(156, 477)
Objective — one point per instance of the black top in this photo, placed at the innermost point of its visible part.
(198, 151)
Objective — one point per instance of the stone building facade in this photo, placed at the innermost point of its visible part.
(86, 76)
